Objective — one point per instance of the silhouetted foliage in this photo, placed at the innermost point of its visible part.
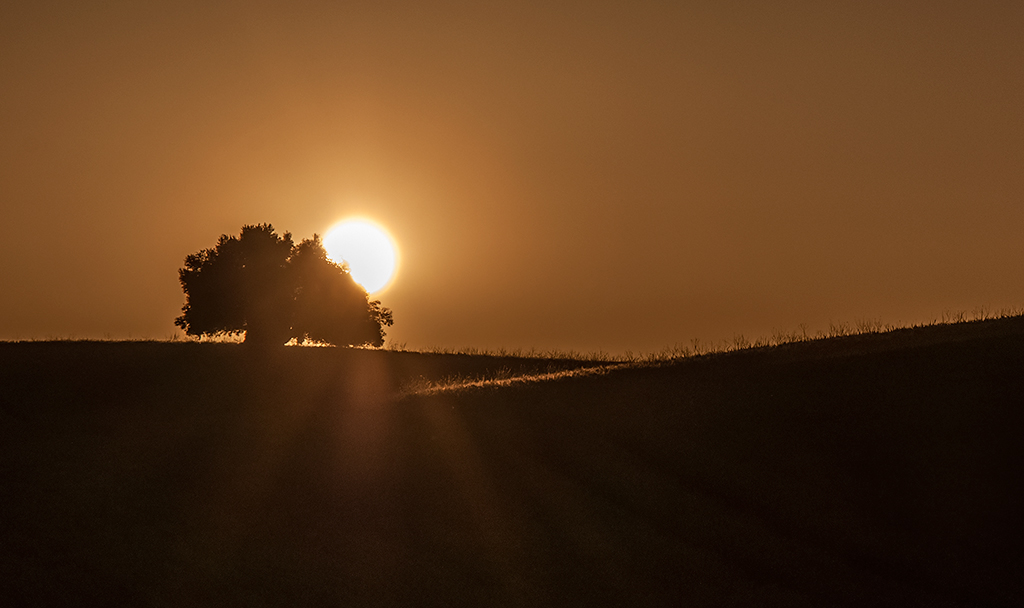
(273, 290)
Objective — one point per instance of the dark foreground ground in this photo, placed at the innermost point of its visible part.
(864, 471)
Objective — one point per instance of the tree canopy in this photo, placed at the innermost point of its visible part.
(263, 284)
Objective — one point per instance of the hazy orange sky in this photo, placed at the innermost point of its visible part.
(590, 176)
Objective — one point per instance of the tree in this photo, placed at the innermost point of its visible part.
(273, 290)
(329, 305)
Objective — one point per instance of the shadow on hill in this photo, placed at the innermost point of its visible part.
(868, 470)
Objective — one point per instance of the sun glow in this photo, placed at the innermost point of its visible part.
(366, 248)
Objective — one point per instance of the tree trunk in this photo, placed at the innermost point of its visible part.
(266, 334)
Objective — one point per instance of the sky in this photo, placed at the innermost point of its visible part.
(587, 176)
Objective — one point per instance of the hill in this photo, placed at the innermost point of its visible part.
(865, 470)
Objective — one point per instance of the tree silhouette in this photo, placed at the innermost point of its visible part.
(329, 305)
(274, 290)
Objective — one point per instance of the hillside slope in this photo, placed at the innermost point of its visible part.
(868, 470)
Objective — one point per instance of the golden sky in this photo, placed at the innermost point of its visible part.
(586, 175)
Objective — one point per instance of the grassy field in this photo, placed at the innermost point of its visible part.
(879, 469)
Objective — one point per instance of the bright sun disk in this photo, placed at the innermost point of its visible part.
(366, 248)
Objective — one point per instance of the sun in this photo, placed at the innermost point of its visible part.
(366, 248)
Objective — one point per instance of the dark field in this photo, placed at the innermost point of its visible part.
(878, 470)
